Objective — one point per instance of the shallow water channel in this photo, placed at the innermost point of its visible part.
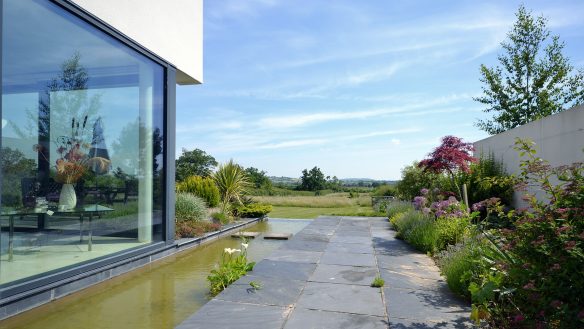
(160, 295)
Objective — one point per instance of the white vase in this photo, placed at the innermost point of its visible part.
(67, 199)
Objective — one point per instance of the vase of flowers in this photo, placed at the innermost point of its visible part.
(71, 164)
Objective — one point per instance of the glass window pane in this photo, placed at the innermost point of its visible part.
(82, 131)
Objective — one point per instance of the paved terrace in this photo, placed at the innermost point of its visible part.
(321, 279)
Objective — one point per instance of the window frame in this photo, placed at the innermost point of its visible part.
(45, 281)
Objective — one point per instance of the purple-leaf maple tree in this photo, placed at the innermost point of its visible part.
(452, 156)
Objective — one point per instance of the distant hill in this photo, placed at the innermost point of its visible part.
(344, 181)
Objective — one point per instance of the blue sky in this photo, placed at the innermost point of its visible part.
(357, 88)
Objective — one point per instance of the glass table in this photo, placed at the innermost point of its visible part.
(86, 211)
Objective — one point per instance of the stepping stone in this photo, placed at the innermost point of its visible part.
(247, 235)
(277, 236)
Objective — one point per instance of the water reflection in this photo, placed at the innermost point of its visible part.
(160, 295)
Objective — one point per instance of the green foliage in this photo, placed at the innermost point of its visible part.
(189, 207)
(312, 180)
(537, 280)
(456, 263)
(203, 187)
(378, 282)
(256, 285)
(451, 230)
(233, 265)
(194, 163)
(253, 210)
(534, 80)
(385, 190)
(258, 178)
(232, 182)
(428, 234)
(488, 179)
(396, 207)
(414, 179)
(14, 167)
(191, 229)
(221, 217)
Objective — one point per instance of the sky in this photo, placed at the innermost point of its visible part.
(360, 89)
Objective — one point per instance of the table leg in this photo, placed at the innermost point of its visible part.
(10, 238)
(89, 243)
(81, 228)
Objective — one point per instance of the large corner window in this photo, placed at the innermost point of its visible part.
(81, 147)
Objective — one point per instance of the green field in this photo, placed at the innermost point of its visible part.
(312, 212)
(311, 206)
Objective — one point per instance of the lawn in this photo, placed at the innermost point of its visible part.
(304, 206)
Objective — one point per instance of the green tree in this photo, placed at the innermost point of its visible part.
(312, 180)
(194, 163)
(534, 80)
(414, 179)
(258, 178)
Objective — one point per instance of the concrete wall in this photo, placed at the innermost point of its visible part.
(559, 139)
(172, 29)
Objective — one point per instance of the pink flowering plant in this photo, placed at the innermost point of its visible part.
(536, 279)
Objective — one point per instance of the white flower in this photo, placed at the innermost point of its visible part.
(244, 245)
(230, 251)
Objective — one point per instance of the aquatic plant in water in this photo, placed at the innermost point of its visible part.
(233, 265)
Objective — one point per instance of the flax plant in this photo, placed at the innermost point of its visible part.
(232, 182)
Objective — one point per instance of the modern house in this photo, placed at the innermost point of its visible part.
(88, 139)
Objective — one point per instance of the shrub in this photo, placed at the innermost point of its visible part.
(221, 218)
(253, 210)
(488, 179)
(451, 230)
(385, 190)
(189, 207)
(203, 187)
(417, 229)
(396, 207)
(462, 263)
(428, 234)
(191, 229)
(414, 179)
(233, 182)
(538, 280)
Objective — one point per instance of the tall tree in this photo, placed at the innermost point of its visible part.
(194, 163)
(451, 157)
(312, 180)
(534, 79)
(258, 178)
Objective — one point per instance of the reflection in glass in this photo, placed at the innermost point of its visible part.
(82, 114)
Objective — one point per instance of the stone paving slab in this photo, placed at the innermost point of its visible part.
(350, 259)
(297, 256)
(415, 324)
(277, 236)
(406, 281)
(356, 233)
(300, 244)
(224, 314)
(283, 270)
(274, 291)
(313, 319)
(353, 248)
(321, 279)
(352, 239)
(342, 298)
(425, 306)
(247, 235)
(344, 274)
(313, 237)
